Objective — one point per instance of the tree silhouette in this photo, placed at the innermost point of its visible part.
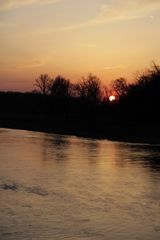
(89, 88)
(147, 83)
(43, 82)
(120, 87)
(105, 93)
(59, 87)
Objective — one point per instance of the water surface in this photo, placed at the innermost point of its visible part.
(64, 187)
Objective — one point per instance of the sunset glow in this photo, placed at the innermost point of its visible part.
(110, 38)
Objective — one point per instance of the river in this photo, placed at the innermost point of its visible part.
(65, 187)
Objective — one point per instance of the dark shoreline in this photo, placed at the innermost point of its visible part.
(148, 134)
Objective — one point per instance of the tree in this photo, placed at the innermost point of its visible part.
(147, 85)
(105, 94)
(89, 88)
(59, 87)
(120, 87)
(43, 82)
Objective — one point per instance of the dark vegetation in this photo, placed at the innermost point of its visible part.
(83, 108)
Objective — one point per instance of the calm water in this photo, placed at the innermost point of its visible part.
(64, 187)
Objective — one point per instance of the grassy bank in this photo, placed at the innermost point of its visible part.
(128, 132)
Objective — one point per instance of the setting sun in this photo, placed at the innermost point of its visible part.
(112, 98)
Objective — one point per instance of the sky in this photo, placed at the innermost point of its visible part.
(109, 38)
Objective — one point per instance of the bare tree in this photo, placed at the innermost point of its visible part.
(105, 94)
(43, 82)
(120, 87)
(155, 68)
(59, 87)
(89, 88)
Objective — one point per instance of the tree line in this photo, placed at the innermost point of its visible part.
(60, 104)
(90, 87)
(60, 87)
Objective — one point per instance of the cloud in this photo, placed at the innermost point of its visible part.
(11, 4)
(22, 65)
(33, 64)
(113, 10)
(116, 10)
(122, 10)
(4, 25)
(115, 67)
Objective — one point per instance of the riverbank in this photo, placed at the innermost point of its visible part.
(126, 132)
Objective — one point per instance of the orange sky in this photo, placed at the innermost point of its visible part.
(110, 38)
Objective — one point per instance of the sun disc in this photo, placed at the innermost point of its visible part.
(112, 98)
